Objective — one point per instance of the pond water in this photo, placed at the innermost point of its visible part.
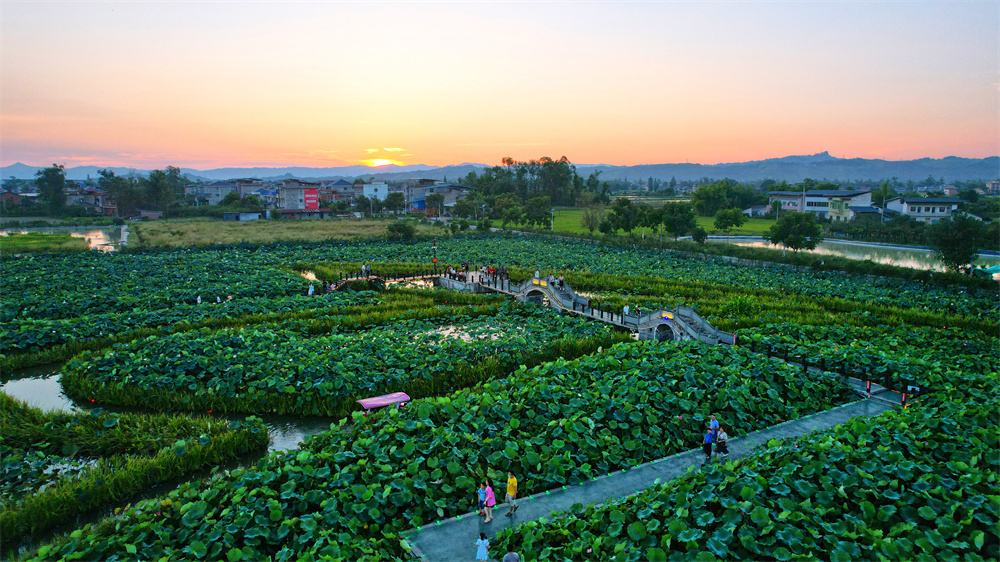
(917, 258)
(105, 238)
(40, 387)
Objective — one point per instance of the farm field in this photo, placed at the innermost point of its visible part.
(40, 242)
(495, 385)
(177, 233)
(568, 220)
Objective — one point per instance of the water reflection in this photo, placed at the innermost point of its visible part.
(105, 238)
(40, 387)
(917, 258)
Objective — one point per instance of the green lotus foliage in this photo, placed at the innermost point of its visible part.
(262, 370)
(55, 466)
(40, 333)
(97, 284)
(906, 485)
(349, 492)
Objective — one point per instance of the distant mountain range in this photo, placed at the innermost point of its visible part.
(793, 169)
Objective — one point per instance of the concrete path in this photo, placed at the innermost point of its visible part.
(455, 538)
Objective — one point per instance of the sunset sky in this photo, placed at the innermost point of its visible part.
(204, 85)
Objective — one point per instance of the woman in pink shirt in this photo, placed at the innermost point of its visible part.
(491, 501)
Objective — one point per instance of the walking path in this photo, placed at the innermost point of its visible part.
(454, 539)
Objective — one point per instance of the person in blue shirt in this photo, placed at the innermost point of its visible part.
(713, 424)
(707, 446)
(482, 499)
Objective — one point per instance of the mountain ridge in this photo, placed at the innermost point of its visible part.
(793, 168)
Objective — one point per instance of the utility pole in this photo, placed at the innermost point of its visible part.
(435, 259)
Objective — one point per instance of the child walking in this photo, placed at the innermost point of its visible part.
(491, 501)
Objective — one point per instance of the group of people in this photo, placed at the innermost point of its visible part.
(325, 287)
(487, 499)
(715, 435)
(552, 280)
(486, 273)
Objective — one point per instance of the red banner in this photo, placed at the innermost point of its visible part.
(311, 198)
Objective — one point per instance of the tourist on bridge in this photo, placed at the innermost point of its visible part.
(721, 448)
(511, 497)
(481, 493)
(707, 444)
(538, 274)
(624, 312)
(491, 500)
(483, 544)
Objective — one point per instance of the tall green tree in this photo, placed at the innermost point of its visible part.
(678, 219)
(798, 231)
(435, 203)
(624, 215)
(51, 184)
(956, 242)
(536, 211)
(395, 201)
(158, 191)
(124, 191)
(592, 217)
(729, 219)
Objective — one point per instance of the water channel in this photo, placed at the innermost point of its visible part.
(903, 256)
(39, 387)
(104, 238)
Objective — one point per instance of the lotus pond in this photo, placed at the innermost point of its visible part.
(496, 386)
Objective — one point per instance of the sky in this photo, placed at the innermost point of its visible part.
(215, 84)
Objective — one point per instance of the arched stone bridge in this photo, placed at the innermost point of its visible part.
(680, 323)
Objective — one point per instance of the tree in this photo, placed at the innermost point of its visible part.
(624, 215)
(363, 205)
(729, 219)
(536, 210)
(464, 208)
(678, 219)
(51, 184)
(123, 191)
(395, 201)
(592, 217)
(176, 182)
(699, 235)
(401, 230)
(956, 242)
(797, 231)
(883, 193)
(232, 199)
(158, 192)
(435, 202)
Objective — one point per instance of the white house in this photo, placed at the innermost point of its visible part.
(376, 190)
(818, 200)
(924, 209)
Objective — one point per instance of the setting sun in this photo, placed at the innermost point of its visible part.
(376, 162)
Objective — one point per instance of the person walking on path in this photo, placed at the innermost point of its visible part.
(511, 556)
(720, 443)
(483, 547)
(481, 492)
(312, 290)
(707, 445)
(491, 501)
(713, 424)
(511, 497)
